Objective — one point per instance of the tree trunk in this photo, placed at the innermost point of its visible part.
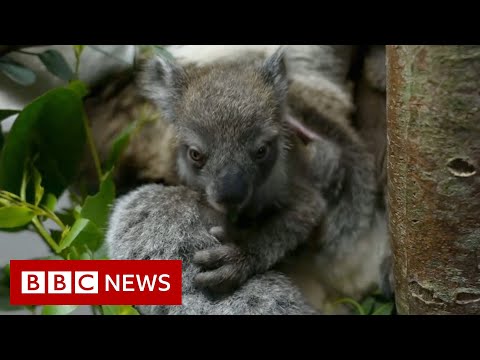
(433, 110)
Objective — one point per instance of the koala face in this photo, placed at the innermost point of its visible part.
(230, 126)
(228, 166)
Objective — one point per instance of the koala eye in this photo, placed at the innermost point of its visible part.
(196, 156)
(262, 152)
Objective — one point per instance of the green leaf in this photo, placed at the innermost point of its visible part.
(384, 309)
(119, 144)
(56, 64)
(7, 113)
(15, 216)
(58, 309)
(359, 309)
(52, 127)
(91, 239)
(5, 276)
(119, 310)
(50, 202)
(16, 71)
(97, 208)
(71, 235)
(79, 87)
(37, 181)
(368, 305)
(5, 290)
(83, 235)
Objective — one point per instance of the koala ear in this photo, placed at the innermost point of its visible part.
(162, 81)
(274, 70)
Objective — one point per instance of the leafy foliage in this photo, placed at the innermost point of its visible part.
(56, 64)
(375, 304)
(16, 71)
(39, 161)
(118, 310)
(58, 309)
(52, 129)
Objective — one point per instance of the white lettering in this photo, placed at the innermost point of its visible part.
(33, 282)
(127, 282)
(146, 280)
(160, 280)
(60, 282)
(115, 284)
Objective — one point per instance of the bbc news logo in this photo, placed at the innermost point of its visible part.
(59, 282)
(95, 282)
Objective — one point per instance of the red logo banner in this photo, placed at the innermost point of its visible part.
(95, 282)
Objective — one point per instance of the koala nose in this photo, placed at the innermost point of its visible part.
(233, 187)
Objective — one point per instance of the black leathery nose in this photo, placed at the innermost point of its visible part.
(233, 187)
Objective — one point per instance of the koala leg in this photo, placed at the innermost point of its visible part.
(160, 222)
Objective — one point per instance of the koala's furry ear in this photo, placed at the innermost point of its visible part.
(162, 81)
(274, 70)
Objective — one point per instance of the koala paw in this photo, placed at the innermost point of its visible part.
(226, 268)
(218, 232)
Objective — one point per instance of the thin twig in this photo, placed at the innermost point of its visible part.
(93, 149)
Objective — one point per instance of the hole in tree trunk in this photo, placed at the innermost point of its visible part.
(461, 167)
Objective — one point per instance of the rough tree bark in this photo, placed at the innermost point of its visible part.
(433, 111)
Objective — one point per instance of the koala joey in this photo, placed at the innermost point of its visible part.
(279, 176)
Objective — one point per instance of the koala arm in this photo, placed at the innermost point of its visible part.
(160, 223)
(259, 247)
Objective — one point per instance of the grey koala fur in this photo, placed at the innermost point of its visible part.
(319, 194)
(159, 222)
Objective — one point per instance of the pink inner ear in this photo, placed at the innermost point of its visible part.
(307, 135)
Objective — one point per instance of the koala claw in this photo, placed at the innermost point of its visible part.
(227, 267)
(218, 232)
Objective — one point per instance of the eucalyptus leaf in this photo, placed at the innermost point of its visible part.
(97, 208)
(56, 64)
(119, 144)
(15, 216)
(5, 290)
(368, 305)
(119, 310)
(71, 235)
(58, 309)
(50, 202)
(51, 127)
(84, 235)
(16, 71)
(384, 309)
(37, 181)
(356, 306)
